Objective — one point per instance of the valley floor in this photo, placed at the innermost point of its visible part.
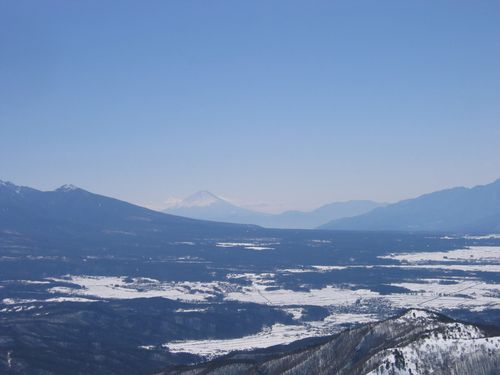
(202, 299)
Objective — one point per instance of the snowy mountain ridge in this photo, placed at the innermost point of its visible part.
(417, 342)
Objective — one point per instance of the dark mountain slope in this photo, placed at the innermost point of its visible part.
(105, 338)
(459, 209)
(417, 342)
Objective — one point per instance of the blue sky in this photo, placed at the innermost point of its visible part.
(288, 103)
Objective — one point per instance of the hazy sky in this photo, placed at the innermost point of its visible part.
(289, 103)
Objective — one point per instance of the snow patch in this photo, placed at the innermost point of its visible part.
(277, 334)
(473, 254)
(245, 245)
(109, 287)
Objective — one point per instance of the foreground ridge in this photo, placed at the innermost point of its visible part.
(415, 342)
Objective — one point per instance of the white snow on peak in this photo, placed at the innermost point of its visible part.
(418, 314)
(67, 187)
(199, 199)
(10, 185)
(446, 347)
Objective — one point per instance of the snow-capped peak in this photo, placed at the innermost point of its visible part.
(201, 198)
(413, 314)
(67, 187)
(11, 186)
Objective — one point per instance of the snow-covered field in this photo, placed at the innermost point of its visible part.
(483, 237)
(429, 293)
(259, 292)
(257, 246)
(472, 254)
(459, 286)
(274, 335)
(467, 291)
(107, 287)
(458, 267)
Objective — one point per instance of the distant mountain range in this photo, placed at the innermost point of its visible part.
(72, 211)
(207, 206)
(417, 342)
(459, 209)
